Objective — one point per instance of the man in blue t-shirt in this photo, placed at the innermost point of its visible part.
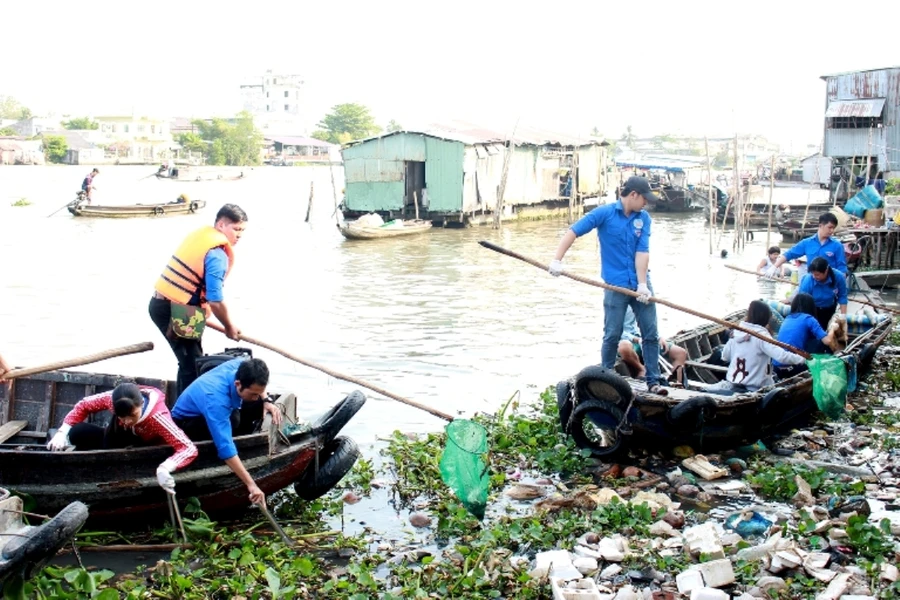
(820, 244)
(228, 400)
(624, 232)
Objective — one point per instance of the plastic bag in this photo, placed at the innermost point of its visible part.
(829, 375)
(462, 465)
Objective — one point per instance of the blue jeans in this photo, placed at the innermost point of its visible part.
(614, 307)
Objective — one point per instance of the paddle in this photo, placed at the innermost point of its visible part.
(634, 294)
(81, 360)
(783, 280)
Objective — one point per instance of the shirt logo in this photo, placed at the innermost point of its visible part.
(638, 227)
(829, 254)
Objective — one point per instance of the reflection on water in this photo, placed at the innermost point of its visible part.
(436, 318)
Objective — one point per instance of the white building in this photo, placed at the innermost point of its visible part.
(139, 138)
(275, 101)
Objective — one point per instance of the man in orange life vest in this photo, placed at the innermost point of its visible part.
(194, 277)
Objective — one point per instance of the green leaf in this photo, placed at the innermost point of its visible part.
(305, 566)
(234, 553)
(273, 580)
(426, 560)
(108, 594)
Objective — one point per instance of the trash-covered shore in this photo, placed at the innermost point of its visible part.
(814, 514)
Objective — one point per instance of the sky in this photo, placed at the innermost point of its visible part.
(690, 67)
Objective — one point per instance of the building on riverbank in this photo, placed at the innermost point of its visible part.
(453, 174)
(862, 122)
(287, 150)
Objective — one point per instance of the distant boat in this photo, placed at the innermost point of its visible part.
(353, 230)
(183, 174)
(79, 208)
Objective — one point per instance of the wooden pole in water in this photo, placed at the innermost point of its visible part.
(416, 204)
(739, 205)
(334, 192)
(712, 205)
(309, 206)
(771, 194)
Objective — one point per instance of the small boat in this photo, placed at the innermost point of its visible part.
(353, 230)
(120, 486)
(185, 175)
(79, 208)
(25, 549)
(606, 410)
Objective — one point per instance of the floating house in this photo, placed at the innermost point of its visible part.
(460, 174)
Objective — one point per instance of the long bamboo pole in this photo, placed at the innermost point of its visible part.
(711, 196)
(771, 194)
(81, 360)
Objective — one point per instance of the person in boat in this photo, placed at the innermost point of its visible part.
(819, 245)
(190, 286)
(828, 289)
(624, 232)
(224, 402)
(750, 358)
(4, 369)
(769, 261)
(801, 330)
(140, 418)
(87, 186)
(632, 355)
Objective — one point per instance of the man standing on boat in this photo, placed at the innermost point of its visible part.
(820, 244)
(624, 232)
(87, 186)
(227, 401)
(190, 286)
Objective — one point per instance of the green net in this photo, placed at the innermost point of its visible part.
(462, 465)
(829, 375)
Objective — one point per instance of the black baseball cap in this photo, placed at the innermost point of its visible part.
(641, 186)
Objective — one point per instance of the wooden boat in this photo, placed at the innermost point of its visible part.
(79, 209)
(355, 231)
(120, 485)
(184, 175)
(25, 549)
(606, 411)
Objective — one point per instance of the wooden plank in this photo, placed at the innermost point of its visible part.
(10, 429)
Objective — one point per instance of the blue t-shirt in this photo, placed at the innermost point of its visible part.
(832, 251)
(215, 265)
(825, 293)
(800, 330)
(213, 396)
(620, 238)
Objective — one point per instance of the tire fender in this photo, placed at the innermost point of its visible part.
(603, 415)
(28, 555)
(194, 206)
(564, 404)
(687, 412)
(598, 383)
(336, 459)
(330, 424)
(159, 211)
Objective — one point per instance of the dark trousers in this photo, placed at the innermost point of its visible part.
(244, 420)
(88, 436)
(823, 315)
(186, 351)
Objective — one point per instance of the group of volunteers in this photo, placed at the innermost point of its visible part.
(623, 229)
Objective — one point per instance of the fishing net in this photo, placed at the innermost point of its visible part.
(829, 375)
(463, 467)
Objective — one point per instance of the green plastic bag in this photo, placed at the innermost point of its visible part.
(462, 465)
(829, 375)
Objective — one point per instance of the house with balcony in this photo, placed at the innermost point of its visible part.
(136, 139)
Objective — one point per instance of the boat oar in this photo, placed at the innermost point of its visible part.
(791, 282)
(337, 375)
(634, 294)
(61, 207)
(82, 360)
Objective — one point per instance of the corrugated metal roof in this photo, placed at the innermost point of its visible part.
(676, 166)
(470, 134)
(871, 107)
(852, 72)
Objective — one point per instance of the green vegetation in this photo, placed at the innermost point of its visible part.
(81, 123)
(8, 131)
(776, 482)
(21, 202)
(345, 123)
(232, 142)
(393, 126)
(10, 108)
(893, 187)
(55, 148)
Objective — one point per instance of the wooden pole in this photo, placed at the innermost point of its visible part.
(634, 294)
(739, 206)
(335, 374)
(416, 204)
(334, 192)
(309, 206)
(771, 194)
(712, 203)
(82, 360)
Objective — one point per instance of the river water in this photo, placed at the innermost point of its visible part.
(436, 317)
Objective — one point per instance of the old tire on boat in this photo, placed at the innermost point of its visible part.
(773, 406)
(594, 424)
(194, 206)
(864, 359)
(158, 211)
(693, 412)
(336, 459)
(26, 556)
(564, 404)
(330, 424)
(598, 383)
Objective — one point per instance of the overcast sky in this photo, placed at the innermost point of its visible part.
(685, 67)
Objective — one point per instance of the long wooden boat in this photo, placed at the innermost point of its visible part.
(120, 485)
(355, 231)
(79, 209)
(606, 411)
(183, 176)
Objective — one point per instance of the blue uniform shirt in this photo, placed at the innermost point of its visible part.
(825, 293)
(832, 251)
(800, 330)
(213, 396)
(620, 238)
(214, 267)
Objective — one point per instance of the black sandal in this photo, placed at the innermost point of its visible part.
(658, 390)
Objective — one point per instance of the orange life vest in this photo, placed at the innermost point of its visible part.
(183, 277)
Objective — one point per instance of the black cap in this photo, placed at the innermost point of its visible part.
(641, 186)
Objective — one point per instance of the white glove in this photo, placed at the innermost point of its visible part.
(644, 293)
(556, 267)
(841, 317)
(165, 479)
(771, 272)
(60, 440)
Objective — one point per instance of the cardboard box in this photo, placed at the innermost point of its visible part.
(875, 217)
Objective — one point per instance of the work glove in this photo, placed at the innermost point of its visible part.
(644, 293)
(165, 479)
(556, 267)
(771, 272)
(841, 317)
(60, 440)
